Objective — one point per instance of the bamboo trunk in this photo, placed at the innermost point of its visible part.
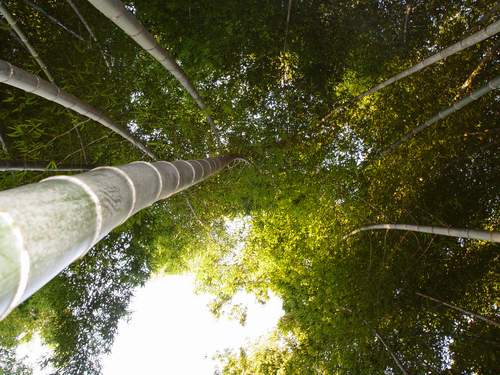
(125, 20)
(492, 85)
(13, 24)
(46, 226)
(452, 232)
(23, 80)
(38, 166)
(481, 35)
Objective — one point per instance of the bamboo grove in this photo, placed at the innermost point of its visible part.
(369, 132)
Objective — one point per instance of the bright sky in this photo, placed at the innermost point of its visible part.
(171, 331)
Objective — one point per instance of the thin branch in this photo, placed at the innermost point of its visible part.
(451, 232)
(89, 144)
(492, 85)
(91, 33)
(84, 154)
(387, 348)
(39, 166)
(13, 24)
(466, 312)
(54, 20)
(481, 35)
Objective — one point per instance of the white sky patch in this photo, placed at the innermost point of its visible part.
(33, 353)
(171, 330)
(132, 126)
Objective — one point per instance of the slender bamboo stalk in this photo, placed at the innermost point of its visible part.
(38, 166)
(89, 30)
(477, 316)
(23, 80)
(492, 85)
(2, 143)
(125, 20)
(46, 226)
(13, 24)
(481, 35)
(493, 51)
(452, 232)
(289, 12)
(54, 20)
(387, 348)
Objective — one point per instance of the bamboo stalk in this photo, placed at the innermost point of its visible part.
(38, 166)
(477, 316)
(492, 85)
(23, 80)
(386, 347)
(492, 51)
(13, 24)
(2, 143)
(451, 232)
(289, 11)
(54, 20)
(475, 38)
(46, 226)
(125, 20)
(89, 30)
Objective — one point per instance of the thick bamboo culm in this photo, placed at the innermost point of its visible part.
(492, 85)
(13, 24)
(475, 38)
(46, 226)
(452, 232)
(125, 20)
(38, 166)
(14, 76)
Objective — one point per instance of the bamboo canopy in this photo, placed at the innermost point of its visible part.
(452, 232)
(16, 77)
(475, 38)
(46, 226)
(13, 24)
(125, 20)
(490, 86)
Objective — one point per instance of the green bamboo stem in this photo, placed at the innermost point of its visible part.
(44, 227)
(492, 85)
(38, 166)
(13, 24)
(452, 232)
(54, 20)
(474, 315)
(125, 20)
(28, 82)
(475, 38)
